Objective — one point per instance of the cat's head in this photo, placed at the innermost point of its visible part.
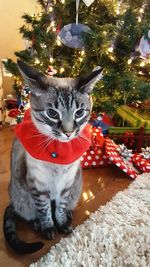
(60, 107)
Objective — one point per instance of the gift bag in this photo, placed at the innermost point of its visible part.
(94, 156)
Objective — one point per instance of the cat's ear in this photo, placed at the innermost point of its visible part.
(35, 79)
(85, 83)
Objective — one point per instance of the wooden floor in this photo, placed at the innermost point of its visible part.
(100, 185)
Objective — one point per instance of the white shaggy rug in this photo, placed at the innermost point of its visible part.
(116, 235)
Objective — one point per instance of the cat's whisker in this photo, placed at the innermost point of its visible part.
(48, 143)
(35, 135)
(43, 143)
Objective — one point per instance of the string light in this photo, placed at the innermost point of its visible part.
(82, 53)
(104, 33)
(43, 45)
(110, 49)
(112, 58)
(50, 9)
(117, 12)
(62, 70)
(51, 59)
(58, 42)
(80, 59)
(140, 72)
(52, 24)
(129, 61)
(141, 10)
(62, 1)
(142, 64)
(37, 61)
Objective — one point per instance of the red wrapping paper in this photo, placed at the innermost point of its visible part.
(95, 155)
(141, 163)
(113, 155)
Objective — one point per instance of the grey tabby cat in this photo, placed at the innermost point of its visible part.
(60, 109)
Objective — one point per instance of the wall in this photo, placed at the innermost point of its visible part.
(10, 22)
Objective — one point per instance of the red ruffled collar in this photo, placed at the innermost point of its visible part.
(56, 152)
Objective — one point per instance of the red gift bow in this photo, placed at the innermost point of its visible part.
(97, 138)
(129, 138)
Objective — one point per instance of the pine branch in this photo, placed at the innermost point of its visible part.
(42, 3)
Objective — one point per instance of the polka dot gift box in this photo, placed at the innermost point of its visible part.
(141, 163)
(95, 155)
(113, 155)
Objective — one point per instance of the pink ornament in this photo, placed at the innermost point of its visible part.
(51, 71)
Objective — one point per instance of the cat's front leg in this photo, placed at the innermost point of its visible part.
(62, 215)
(44, 212)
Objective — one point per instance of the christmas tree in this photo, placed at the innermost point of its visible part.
(116, 29)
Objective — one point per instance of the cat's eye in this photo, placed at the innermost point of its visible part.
(79, 113)
(53, 113)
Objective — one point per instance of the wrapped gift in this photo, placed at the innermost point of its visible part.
(142, 163)
(95, 156)
(113, 155)
(133, 117)
(102, 120)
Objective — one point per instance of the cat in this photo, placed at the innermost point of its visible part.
(46, 182)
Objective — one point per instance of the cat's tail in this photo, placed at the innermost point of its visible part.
(9, 228)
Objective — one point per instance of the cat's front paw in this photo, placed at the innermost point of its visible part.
(65, 228)
(36, 225)
(50, 232)
(69, 214)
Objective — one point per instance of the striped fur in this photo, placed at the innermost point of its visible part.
(43, 193)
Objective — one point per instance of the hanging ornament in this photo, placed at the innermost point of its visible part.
(29, 47)
(27, 43)
(144, 45)
(72, 35)
(88, 2)
(51, 71)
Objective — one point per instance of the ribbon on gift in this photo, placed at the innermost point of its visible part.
(94, 156)
(97, 139)
(146, 153)
(124, 151)
(129, 138)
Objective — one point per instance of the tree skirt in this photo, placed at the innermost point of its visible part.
(116, 235)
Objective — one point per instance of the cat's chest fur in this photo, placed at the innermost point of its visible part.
(51, 177)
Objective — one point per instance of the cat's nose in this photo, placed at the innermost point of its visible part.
(68, 134)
